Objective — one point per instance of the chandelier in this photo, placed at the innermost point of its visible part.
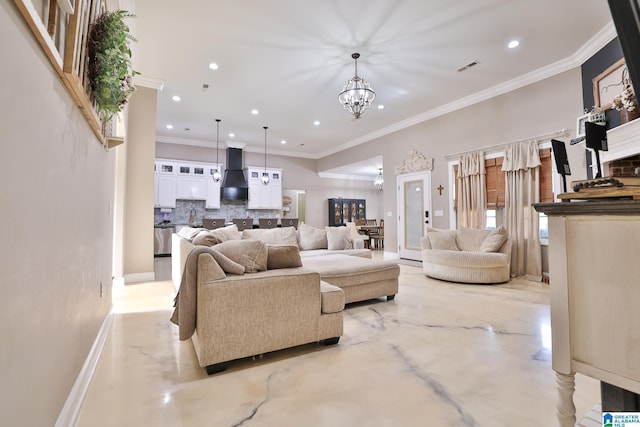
(265, 174)
(216, 174)
(379, 180)
(356, 95)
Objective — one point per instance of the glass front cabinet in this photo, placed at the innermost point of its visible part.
(342, 211)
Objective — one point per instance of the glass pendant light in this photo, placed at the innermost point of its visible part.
(217, 176)
(265, 174)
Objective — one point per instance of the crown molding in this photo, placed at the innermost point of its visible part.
(345, 176)
(150, 82)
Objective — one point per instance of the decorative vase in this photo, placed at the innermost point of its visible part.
(626, 115)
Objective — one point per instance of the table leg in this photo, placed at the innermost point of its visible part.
(566, 408)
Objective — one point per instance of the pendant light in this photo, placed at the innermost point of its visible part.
(265, 174)
(217, 176)
(379, 181)
(356, 95)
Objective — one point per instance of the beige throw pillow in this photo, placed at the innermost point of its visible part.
(494, 241)
(443, 240)
(208, 238)
(252, 254)
(281, 256)
(273, 236)
(338, 238)
(312, 237)
(189, 232)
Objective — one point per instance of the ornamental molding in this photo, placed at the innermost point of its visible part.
(414, 162)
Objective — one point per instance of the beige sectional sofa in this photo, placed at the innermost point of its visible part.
(230, 316)
(286, 299)
(311, 241)
(467, 255)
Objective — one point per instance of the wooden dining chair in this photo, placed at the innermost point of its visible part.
(379, 236)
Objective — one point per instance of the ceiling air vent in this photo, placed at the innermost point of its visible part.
(469, 65)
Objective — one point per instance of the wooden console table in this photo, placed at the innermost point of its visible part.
(594, 263)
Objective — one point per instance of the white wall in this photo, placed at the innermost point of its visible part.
(57, 183)
(139, 191)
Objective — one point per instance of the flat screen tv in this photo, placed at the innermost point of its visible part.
(626, 17)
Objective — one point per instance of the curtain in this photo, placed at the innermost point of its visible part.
(522, 189)
(472, 194)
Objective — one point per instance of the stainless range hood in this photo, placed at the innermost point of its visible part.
(234, 184)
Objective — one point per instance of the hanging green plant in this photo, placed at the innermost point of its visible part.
(110, 69)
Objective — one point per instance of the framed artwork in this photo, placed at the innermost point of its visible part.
(580, 121)
(609, 84)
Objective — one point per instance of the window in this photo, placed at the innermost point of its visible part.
(543, 222)
(491, 219)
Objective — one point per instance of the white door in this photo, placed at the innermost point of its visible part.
(414, 204)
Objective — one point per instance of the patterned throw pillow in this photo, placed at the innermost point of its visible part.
(494, 241)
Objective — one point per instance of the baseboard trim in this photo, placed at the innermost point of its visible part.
(140, 277)
(69, 414)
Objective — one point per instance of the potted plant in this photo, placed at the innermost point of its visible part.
(110, 69)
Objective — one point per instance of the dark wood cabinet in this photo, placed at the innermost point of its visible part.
(342, 211)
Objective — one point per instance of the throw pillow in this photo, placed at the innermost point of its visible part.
(230, 232)
(312, 237)
(494, 241)
(280, 256)
(443, 240)
(338, 238)
(252, 254)
(208, 238)
(470, 239)
(189, 232)
(273, 236)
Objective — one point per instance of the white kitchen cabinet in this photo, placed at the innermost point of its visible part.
(191, 188)
(264, 196)
(165, 167)
(213, 194)
(165, 191)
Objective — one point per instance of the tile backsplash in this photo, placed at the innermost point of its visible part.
(181, 214)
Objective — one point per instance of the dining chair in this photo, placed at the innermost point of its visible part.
(379, 236)
(213, 223)
(267, 222)
(290, 222)
(243, 223)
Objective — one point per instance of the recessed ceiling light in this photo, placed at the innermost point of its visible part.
(380, 107)
(283, 142)
(513, 44)
(254, 112)
(231, 135)
(169, 126)
(175, 98)
(317, 123)
(213, 66)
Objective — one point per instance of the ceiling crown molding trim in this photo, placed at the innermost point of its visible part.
(597, 42)
(343, 176)
(150, 82)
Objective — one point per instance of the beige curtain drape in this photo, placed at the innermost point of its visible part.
(472, 192)
(522, 189)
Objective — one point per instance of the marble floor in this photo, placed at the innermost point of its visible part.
(440, 354)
